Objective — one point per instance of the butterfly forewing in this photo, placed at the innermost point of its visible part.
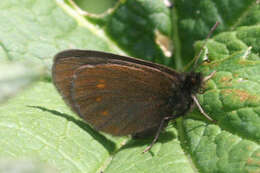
(115, 94)
(65, 64)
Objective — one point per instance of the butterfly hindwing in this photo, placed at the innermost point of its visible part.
(115, 94)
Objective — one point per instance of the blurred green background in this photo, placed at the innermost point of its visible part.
(96, 6)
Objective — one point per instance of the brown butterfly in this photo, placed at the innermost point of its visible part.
(122, 95)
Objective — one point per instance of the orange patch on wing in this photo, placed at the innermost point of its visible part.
(101, 80)
(104, 113)
(98, 99)
(101, 85)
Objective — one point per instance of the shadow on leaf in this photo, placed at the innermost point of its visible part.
(138, 142)
(109, 145)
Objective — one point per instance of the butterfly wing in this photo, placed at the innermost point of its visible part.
(115, 94)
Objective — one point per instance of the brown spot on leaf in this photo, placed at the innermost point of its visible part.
(242, 95)
(249, 161)
(226, 81)
(164, 42)
(252, 162)
(235, 74)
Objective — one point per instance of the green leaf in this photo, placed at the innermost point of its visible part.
(96, 7)
(164, 157)
(16, 76)
(37, 125)
(23, 166)
(216, 150)
(234, 95)
(197, 17)
(131, 20)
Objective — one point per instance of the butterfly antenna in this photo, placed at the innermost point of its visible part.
(204, 44)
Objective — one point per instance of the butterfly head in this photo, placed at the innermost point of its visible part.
(193, 82)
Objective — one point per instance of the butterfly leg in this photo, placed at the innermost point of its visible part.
(162, 125)
(200, 108)
(205, 79)
(209, 76)
(196, 100)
